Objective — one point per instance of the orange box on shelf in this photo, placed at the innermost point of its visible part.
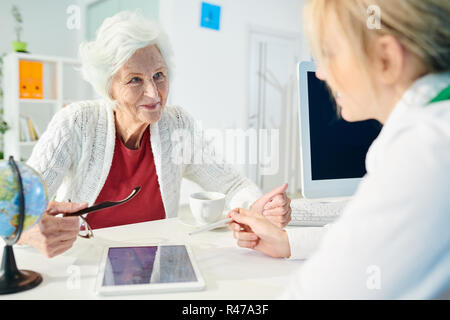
(25, 79)
(36, 74)
(30, 79)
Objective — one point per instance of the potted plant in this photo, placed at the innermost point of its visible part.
(4, 126)
(1, 79)
(18, 45)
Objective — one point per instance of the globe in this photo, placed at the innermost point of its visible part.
(35, 196)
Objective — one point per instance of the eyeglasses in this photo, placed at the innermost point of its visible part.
(85, 229)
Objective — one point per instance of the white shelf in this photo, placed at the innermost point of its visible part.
(42, 58)
(61, 84)
(39, 101)
(27, 143)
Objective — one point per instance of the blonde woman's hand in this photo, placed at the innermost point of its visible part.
(256, 232)
(54, 235)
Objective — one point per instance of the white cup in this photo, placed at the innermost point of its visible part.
(207, 207)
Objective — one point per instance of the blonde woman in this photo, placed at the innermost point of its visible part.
(393, 239)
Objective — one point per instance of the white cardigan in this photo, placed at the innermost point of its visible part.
(74, 157)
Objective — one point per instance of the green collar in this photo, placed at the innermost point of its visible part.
(443, 95)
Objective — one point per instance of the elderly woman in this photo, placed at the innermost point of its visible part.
(100, 150)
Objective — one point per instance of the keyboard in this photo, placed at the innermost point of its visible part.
(309, 213)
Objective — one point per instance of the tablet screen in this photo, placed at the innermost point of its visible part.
(148, 264)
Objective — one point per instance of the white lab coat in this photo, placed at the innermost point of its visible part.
(393, 239)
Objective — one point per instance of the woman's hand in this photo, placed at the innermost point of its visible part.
(54, 235)
(275, 206)
(256, 232)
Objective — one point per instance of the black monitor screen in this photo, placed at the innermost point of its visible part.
(338, 147)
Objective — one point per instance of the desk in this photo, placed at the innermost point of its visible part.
(230, 272)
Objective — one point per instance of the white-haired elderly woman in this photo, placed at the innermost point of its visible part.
(100, 150)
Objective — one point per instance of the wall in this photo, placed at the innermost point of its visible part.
(44, 29)
(44, 26)
(99, 10)
(211, 66)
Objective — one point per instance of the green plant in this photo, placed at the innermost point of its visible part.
(1, 78)
(18, 17)
(4, 126)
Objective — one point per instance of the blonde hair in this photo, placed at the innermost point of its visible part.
(422, 27)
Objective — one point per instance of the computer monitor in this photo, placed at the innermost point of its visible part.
(332, 150)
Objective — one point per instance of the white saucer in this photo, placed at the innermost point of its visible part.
(189, 220)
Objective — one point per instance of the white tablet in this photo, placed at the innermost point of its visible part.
(148, 269)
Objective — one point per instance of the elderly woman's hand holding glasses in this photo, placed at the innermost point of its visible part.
(55, 234)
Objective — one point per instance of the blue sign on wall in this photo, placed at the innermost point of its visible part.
(210, 16)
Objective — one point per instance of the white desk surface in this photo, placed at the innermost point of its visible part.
(230, 272)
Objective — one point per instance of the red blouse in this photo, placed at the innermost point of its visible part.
(129, 169)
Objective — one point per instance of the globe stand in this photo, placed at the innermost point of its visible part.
(12, 279)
